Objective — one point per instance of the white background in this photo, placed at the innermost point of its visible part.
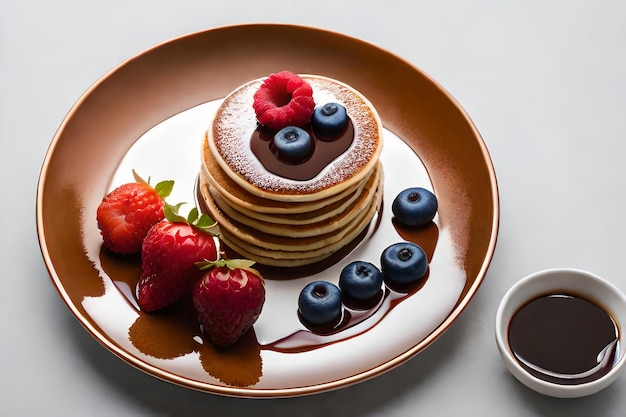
(544, 82)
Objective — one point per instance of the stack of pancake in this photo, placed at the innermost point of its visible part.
(279, 221)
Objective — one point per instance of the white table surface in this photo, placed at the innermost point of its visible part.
(545, 83)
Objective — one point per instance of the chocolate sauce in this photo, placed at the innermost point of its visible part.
(426, 236)
(324, 152)
(564, 339)
(311, 339)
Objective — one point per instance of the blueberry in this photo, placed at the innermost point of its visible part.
(403, 263)
(319, 302)
(292, 144)
(414, 206)
(329, 120)
(360, 280)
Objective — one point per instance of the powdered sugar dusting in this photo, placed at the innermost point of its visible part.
(235, 121)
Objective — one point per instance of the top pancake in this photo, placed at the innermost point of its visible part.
(228, 144)
(240, 197)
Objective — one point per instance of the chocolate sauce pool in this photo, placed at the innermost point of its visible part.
(324, 152)
(564, 339)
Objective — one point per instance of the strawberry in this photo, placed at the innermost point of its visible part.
(169, 255)
(284, 99)
(127, 213)
(229, 299)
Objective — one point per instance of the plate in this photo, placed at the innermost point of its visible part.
(164, 95)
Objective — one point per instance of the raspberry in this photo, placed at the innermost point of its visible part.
(284, 99)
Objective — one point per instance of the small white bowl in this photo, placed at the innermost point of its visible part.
(553, 281)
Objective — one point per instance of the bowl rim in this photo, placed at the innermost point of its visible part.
(509, 305)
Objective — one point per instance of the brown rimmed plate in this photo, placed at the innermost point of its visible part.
(148, 89)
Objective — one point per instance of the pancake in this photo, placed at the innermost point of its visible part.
(228, 140)
(337, 221)
(275, 253)
(239, 197)
(291, 214)
(319, 214)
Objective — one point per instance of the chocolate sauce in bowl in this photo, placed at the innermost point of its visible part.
(564, 339)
